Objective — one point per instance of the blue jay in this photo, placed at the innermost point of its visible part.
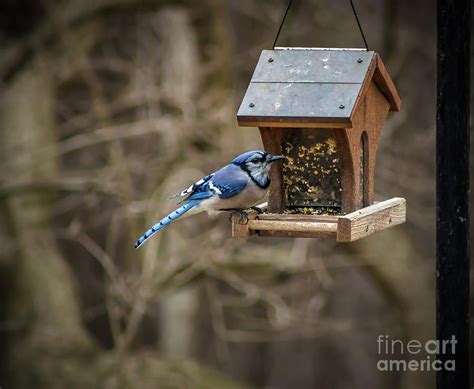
(238, 185)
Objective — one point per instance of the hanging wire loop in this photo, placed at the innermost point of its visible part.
(360, 26)
(286, 13)
(281, 24)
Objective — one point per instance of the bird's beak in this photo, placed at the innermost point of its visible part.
(274, 158)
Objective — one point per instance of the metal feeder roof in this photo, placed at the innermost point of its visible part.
(299, 87)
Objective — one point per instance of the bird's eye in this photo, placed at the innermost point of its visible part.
(255, 160)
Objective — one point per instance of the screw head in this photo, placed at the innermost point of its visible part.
(270, 59)
(360, 60)
(251, 105)
(342, 106)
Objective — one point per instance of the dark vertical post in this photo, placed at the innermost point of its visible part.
(452, 188)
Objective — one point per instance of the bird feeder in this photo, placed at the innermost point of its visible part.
(323, 109)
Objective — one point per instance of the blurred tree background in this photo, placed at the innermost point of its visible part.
(107, 108)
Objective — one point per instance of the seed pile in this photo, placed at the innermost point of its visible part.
(313, 211)
(311, 171)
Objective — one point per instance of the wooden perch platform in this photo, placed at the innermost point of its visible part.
(345, 228)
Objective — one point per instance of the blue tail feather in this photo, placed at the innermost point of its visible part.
(165, 221)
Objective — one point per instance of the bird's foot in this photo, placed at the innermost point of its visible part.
(243, 216)
(259, 210)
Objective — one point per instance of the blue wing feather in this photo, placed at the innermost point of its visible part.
(228, 191)
(225, 183)
(199, 195)
(194, 187)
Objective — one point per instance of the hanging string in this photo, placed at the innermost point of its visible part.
(281, 24)
(286, 13)
(360, 26)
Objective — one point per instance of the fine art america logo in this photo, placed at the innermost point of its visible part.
(413, 355)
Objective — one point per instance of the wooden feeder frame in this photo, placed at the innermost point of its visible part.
(345, 228)
(354, 93)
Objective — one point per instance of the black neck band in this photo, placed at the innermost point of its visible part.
(264, 186)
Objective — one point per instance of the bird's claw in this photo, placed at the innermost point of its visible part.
(243, 216)
(255, 208)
